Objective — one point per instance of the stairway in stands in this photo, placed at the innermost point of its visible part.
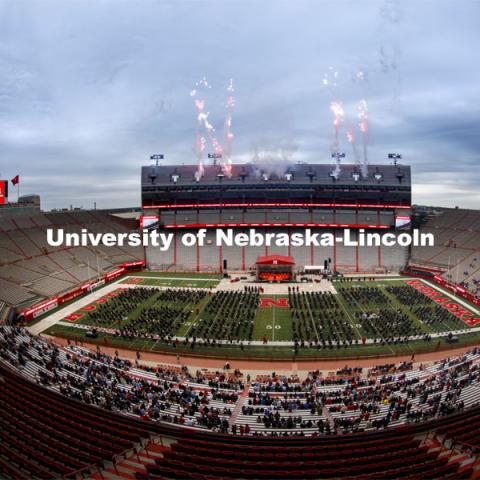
(466, 463)
(238, 407)
(126, 468)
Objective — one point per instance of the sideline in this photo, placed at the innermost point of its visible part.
(257, 366)
(449, 294)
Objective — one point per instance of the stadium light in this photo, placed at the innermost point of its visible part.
(215, 157)
(395, 157)
(157, 157)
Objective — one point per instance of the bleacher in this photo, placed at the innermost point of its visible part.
(47, 435)
(210, 255)
(361, 457)
(54, 436)
(174, 408)
(30, 269)
(457, 247)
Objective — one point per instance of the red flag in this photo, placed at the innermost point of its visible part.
(15, 180)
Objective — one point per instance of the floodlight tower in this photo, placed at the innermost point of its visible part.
(395, 156)
(215, 157)
(338, 155)
(157, 157)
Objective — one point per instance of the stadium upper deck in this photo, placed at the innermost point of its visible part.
(251, 185)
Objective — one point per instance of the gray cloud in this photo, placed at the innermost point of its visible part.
(88, 90)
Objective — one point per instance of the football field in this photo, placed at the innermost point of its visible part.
(149, 310)
(273, 320)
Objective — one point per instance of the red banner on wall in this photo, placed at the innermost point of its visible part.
(41, 308)
(85, 288)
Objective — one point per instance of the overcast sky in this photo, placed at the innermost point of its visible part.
(89, 90)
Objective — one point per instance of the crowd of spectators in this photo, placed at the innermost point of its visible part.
(350, 400)
(114, 384)
(388, 395)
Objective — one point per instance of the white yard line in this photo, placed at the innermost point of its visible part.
(349, 317)
(58, 316)
(278, 343)
(273, 326)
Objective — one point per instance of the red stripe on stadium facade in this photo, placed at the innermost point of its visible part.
(313, 225)
(276, 204)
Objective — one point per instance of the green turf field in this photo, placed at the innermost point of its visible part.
(173, 282)
(349, 316)
(273, 323)
(213, 276)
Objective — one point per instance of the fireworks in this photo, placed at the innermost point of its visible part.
(351, 140)
(339, 117)
(204, 123)
(363, 126)
(227, 130)
(363, 116)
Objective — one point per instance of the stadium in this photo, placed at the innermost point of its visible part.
(161, 362)
(213, 266)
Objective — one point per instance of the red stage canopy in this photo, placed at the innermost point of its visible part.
(275, 260)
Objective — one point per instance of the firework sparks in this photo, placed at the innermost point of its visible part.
(339, 117)
(364, 128)
(202, 121)
(227, 129)
(351, 140)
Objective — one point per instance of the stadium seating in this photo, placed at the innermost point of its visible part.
(347, 259)
(198, 458)
(369, 402)
(14, 294)
(47, 435)
(31, 269)
(457, 247)
(43, 436)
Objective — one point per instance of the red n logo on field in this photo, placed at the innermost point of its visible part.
(73, 317)
(267, 302)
